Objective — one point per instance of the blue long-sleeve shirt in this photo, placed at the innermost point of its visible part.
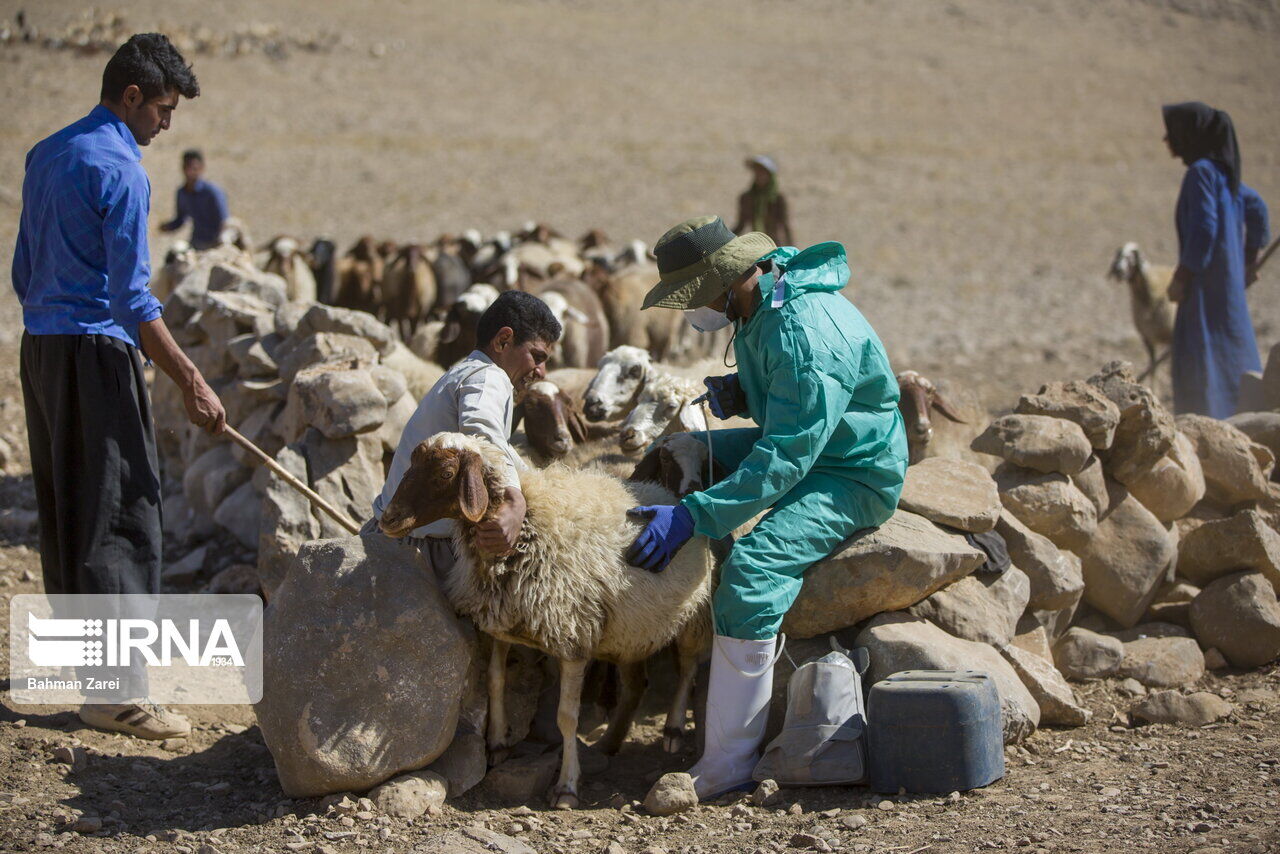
(206, 207)
(81, 265)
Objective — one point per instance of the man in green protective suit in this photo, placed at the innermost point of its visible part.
(828, 457)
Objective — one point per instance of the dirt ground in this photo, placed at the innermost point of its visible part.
(981, 160)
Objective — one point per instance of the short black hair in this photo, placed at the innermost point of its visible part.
(150, 62)
(192, 154)
(527, 316)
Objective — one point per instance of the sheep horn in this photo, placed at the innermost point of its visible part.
(940, 403)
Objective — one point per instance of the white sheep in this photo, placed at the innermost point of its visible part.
(566, 589)
(621, 375)
(288, 260)
(1153, 311)
(665, 405)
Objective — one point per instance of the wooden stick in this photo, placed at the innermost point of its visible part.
(337, 515)
(1265, 255)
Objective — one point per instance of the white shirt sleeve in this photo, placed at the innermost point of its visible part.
(484, 409)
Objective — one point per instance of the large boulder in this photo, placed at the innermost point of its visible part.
(329, 318)
(1049, 504)
(322, 348)
(347, 473)
(1076, 401)
(1172, 603)
(1239, 616)
(286, 520)
(1260, 427)
(213, 476)
(883, 569)
(251, 357)
(240, 513)
(1097, 487)
(1236, 469)
(1056, 580)
(338, 403)
(1162, 662)
(956, 493)
(1057, 702)
(1170, 707)
(983, 608)
(1082, 654)
(898, 641)
(1241, 542)
(364, 665)
(1174, 484)
(1038, 442)
(1125, 562)
(1146, 429)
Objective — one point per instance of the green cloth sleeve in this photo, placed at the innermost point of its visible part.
(804, 406)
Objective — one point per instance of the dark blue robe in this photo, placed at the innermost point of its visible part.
(1213, 343)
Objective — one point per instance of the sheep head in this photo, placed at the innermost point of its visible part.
(552, 420)
(446, 480)
(918, 396)
(663, 400)
(1127, 263)
(679, 463)
(617, 383)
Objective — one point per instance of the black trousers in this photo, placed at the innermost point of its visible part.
(93, 460)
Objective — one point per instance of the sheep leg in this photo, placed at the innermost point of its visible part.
(497, 683)
(565, 794)
(634, 681)
(687, 666)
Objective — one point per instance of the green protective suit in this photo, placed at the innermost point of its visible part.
(831, 451)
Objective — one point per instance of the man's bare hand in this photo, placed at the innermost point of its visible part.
(203, 407)
(1178, 285)
(498, 535)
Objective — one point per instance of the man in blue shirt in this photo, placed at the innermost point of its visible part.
(81, 269)
(201, 201)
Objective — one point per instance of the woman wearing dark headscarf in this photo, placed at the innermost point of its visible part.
(1222, 223)
(762, 207)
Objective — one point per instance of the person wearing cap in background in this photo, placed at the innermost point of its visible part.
(829, 455)
(762, 207)
(1222, 223)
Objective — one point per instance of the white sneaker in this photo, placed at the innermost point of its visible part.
(141, 719)
(738, 696)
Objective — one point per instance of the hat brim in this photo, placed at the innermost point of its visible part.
(703, 283)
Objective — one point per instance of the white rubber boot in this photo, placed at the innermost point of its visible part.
(737, 713)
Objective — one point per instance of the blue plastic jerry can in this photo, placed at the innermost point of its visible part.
(934, 731)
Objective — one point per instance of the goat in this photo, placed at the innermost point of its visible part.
(665, 405)
(458, 337)
(360, 277)
(290, 262)
(622, 294)
(1153, 311)
(408, 290)
(324, 266)
(566, 589)
(965, 419)
(586, 329)
(453, 275)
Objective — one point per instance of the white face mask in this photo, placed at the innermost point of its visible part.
(706, 319)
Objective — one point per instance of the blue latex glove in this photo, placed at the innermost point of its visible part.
(725, 396)
(670, 527)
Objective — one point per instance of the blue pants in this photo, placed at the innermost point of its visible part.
(763, 574)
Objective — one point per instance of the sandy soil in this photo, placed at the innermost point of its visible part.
(981, 161)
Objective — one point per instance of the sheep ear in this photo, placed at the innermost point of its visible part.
(648, 469)
(940, 404)
(473, 494)
(451, 331)
(577, 427)
(691, 418)
(669, 474)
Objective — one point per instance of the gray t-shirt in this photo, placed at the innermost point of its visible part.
(474, 397)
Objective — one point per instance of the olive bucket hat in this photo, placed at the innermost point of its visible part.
(699, 259)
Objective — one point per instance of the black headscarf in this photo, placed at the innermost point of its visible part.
(1197, 130)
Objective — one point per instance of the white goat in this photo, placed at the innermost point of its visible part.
(665, 405)
(1153, 311)
(566, 589)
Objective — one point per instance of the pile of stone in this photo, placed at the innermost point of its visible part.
(1143, 548)
(96, 31)
(326, 391)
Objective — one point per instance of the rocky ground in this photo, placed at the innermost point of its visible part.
(981, 161)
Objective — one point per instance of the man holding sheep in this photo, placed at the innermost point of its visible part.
(827, 460)
(514, 338)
